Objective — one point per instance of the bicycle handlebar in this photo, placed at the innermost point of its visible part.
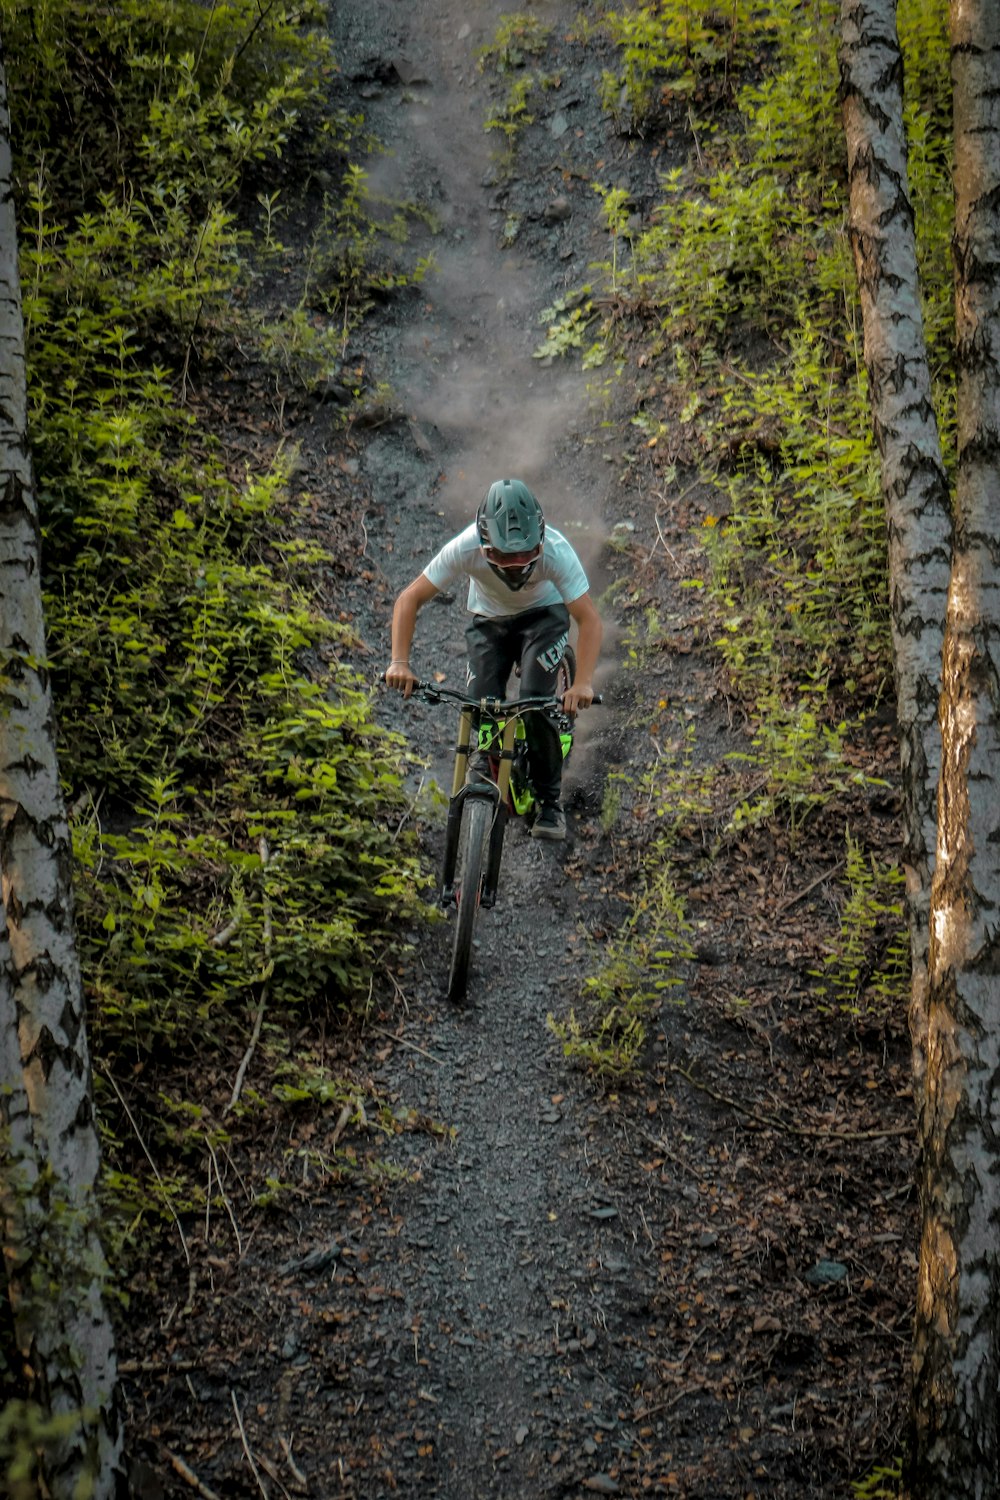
(432, 692)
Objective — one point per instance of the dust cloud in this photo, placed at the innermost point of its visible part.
(466, 370)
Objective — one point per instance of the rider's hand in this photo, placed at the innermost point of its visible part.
(399, 676)
(580, 695)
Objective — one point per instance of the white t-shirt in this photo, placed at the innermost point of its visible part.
(558, 576)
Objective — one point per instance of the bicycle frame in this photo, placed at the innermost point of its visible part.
(495, 737)
(493, 726)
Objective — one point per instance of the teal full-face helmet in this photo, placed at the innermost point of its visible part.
(511, 531)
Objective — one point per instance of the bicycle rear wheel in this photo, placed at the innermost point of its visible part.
(473, 843)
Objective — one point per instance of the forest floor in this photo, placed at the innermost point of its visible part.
(495, 1275)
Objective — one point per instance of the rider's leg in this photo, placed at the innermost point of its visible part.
(492, 653)
(543, 636)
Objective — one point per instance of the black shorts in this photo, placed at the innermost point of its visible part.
(536, 640)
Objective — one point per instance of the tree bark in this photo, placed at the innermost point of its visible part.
(956, 1370)
(914, 482)
(54, 1268)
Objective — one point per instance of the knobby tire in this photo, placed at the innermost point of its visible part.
(474, 840)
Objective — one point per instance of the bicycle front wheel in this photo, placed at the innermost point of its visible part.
(474, 840)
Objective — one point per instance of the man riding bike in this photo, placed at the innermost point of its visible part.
(526, 583)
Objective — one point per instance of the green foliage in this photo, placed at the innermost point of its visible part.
(518, 37)
(235, 808)
(26, 1432)
(799, 560)
(885, 1482)
(670, 50)
(513, 114)
(867, 973)
(346, 273)
(802, 761)
(742, 290)
(195, 90)
(683, 795)
(641, 963)
(566, 323)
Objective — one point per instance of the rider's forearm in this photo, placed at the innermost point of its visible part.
(404, 619)
(588, 648)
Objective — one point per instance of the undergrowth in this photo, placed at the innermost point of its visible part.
(519, 37)
(640, 967)
(236, 810)
(735, 308)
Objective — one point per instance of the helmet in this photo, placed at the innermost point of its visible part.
(511, 531)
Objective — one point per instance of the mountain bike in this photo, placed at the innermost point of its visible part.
(490, 785)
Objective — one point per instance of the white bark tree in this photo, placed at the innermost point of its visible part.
(955, 1013)
(54, 1270)
(957, 1349)
(914, 483)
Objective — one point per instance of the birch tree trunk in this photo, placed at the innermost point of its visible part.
(53, 1266)
(914, 482)
(956, 1368)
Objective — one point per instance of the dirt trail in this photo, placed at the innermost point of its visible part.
(517, 1261)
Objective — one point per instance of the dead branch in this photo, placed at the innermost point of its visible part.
(341, 1125)
(772, 1122)
(225, 1199)
(299, 1479)
(659, 1144)
(223, 936)
(789, 901)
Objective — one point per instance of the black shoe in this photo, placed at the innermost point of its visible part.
(550, 823)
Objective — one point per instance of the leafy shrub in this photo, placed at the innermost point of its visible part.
(744, 289)
(668, 50)
(643, 962)
(233, 802)
(867, 972)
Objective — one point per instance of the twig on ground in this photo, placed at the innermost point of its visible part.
(300, 1480)
(152, 1163)
(789, 901)
(189, 1476)
(225, 1199)
(659, 532)
(341, 1125)
(662, 1406)
(159, 1366)
(246, 1446)
(259, 1018)
(404, 1043)
(660, 1145)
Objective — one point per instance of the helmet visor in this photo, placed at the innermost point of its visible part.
(512, 560)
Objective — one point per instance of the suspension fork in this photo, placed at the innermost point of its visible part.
(492, 879)
(463, 749)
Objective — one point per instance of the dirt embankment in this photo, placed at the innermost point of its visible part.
(536, 1287)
